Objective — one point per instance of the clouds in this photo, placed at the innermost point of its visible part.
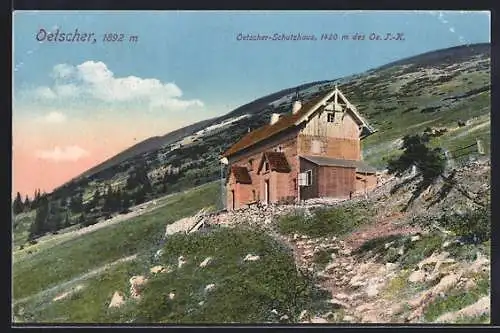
(54, 117)
(93, 80)
(64, 154)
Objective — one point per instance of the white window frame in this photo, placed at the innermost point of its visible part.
(309, 177)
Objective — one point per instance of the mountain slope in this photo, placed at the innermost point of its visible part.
(445, 89)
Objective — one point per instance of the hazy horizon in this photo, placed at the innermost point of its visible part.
(68, 98)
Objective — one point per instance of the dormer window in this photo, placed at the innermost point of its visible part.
(330, 117)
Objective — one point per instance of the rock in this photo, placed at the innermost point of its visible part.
(349, 319)
(446, 283)
(346, 252)
(370, 317)
(117, 300)
(417, 276)
(284, 317)
(250, 257)
(396, 309)
(433, 259)
(420, 299)
(364, 307)
(341, 296)
(210, 287)
(446, 244)
(136, 285)
(401, 251)
(391, 266)
(470, 284)
(372, 290)
(477, 309)
(205, 262)
(274, 311)
(171, 296)
(308, 254)
(415, 238)
(337, 304)
(158, 253)
(180, 261)
(331, 267)
(318, 320)
(296, 236)
(388, 245)
(302, 315)
(157, 269)
(201, 303)
(479, 264)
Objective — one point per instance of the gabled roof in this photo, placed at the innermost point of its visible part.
(241, 175)
(360, 166)
(277, 161)
(290, 120)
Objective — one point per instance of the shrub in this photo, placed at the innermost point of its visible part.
(326, 221)
(473, 226)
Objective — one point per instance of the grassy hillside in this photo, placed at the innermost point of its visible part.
(72, 258)
(87, 267)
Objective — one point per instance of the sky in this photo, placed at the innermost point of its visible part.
(77, 103)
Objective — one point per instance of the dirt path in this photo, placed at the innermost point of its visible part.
(382, 227)
(344, 266)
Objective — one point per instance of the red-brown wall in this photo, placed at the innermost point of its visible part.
(281, 185)
(336, 182)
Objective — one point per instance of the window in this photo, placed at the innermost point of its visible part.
(250, 164)
(295, 184)
(330, 117)
(266, 166)
(254, 195)
(309, 177)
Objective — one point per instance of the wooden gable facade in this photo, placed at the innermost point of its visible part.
(313, 151)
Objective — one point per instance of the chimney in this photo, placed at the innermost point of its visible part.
(297, 105)
(274, 118)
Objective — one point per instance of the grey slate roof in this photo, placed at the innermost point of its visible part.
(360, 166)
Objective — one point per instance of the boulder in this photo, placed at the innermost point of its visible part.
(318, 320)
(205, 262)
(251, 257)
(181, 261)
(303, 315)
(157, 269)
(417, 276)
(209, 287)
(117, 300)
(136, 285)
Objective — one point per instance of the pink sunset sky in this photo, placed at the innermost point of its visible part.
(49, 151)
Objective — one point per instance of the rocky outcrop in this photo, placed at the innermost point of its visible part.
(117, 300)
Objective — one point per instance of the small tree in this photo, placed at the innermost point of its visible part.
(17, 205)
(39, 226)
(27, 203)
(430, 162)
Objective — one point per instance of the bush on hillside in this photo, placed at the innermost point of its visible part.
(325, 221)
(473, 226)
